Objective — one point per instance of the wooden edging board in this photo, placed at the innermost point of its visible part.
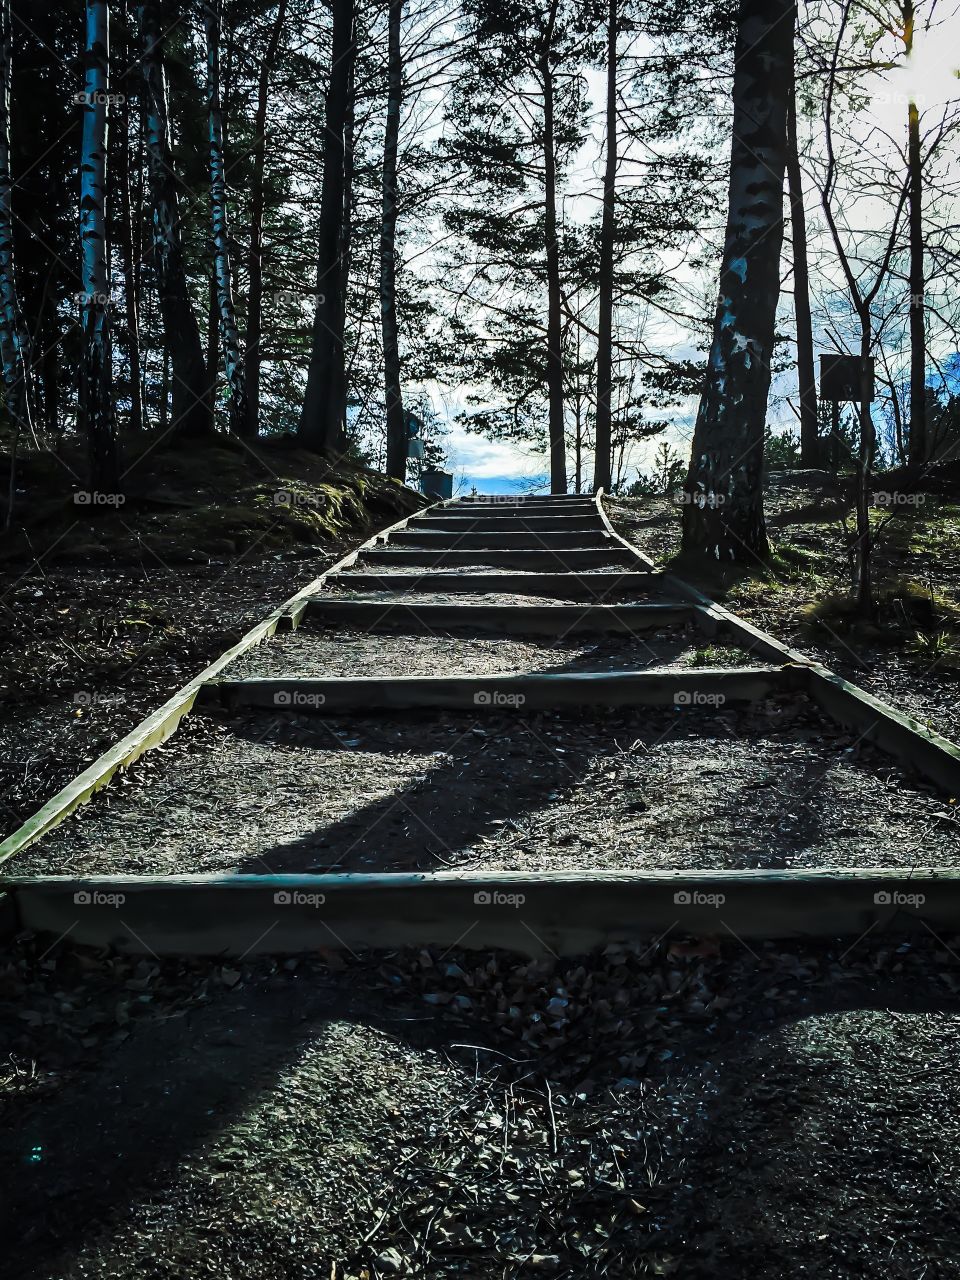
(523, 619)
(534, 913)
(694, 689)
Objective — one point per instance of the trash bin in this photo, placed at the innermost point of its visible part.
(437, 484)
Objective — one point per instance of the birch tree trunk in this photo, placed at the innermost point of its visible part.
(257, 203)
(212, 353)
(96, 390)
(322, 416)
(129, 263)
(229, 330)
(396, 426)
(14, 348)
(806, 375)
(917, 440)
(601, 468)
(723, 492)
(191, 414)
(558, 451)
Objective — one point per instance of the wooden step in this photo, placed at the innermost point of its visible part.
(522, 499)
(509, 540)
(693, 690)
(583, 586)
(509, 619)
(534, 913)
(514, 512)
(557, 559)
(495, 524)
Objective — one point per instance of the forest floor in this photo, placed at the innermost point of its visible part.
(111, 615)
(909, 654)
(695, 1108)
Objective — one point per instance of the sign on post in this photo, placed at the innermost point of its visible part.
(839, 381)
(840, 378)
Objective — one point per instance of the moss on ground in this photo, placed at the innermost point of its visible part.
(196, 502)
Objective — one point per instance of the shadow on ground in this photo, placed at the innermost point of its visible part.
(813, 1135)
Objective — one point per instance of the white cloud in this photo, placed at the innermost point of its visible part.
(480, 458)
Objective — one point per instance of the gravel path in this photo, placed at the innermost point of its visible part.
(648, 788)
(626, 596)
(553, 564)
(338, 651)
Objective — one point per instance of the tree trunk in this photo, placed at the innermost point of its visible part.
(257, 204)
(128, 262)
(558, 453)
(602, 461)
(806, 376)
(723, 492)
(50, 370)
(191, 415)
(229, 330)
(164, 411)
(578, 449)
(917, 441)
(14, 343)
(396, 426)
(864, 472)
(96, 389)
(898, 435)
(322, 415)
(341, 373)
(213, 344)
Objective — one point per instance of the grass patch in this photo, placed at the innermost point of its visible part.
(904, 609)
(942, 649)
(718, 655)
